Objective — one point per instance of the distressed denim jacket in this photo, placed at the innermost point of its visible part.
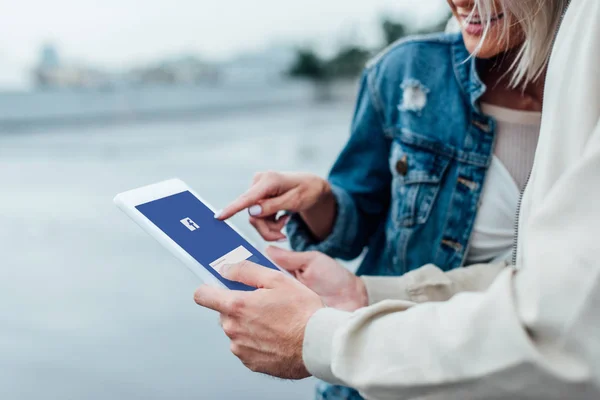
(409, 180)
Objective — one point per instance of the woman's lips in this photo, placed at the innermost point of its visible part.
(475, 27)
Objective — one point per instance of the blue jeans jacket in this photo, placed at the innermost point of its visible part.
(409, 180)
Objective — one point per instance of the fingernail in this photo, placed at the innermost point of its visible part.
(255, 210)
(218, 214)
(282, 240)
(224, 270)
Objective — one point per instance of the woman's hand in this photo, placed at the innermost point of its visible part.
(272, 192)
(337, 287)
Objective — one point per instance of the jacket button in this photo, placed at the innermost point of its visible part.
(402, 166)
(482, 125)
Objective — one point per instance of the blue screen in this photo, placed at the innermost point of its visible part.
(190, 224)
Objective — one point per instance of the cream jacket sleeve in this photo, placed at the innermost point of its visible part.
(430, 283)
(534, 334)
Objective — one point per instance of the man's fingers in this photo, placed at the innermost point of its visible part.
(214, 298)
(253, 275)
(291, 261)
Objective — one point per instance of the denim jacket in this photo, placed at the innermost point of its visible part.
(409, 180)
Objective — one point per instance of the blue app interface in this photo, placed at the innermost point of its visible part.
(190, 224)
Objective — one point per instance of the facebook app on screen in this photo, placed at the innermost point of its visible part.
(213, 243)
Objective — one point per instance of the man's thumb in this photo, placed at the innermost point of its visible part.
(291, 261)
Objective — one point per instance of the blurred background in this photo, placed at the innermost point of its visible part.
(101, 97)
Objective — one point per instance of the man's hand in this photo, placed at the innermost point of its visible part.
(338, 287)
(266, 326)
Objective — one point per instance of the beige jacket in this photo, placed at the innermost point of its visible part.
(535, 332)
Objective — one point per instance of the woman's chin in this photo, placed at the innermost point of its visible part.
(485, 52)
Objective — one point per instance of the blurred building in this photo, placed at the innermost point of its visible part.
(264, 67)
(52, 72)
(184, 70)
(49, 56)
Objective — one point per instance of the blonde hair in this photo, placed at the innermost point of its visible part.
(539, 20)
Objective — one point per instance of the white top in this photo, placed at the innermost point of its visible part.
(517, 135)
(533, 334)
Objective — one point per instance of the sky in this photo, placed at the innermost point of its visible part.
(118, 34)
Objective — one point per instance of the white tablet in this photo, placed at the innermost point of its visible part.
(184, 223)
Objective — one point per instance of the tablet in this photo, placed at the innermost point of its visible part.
(184, 223)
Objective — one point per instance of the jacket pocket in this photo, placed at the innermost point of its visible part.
(417, 176)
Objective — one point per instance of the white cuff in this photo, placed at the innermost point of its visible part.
(386, 288)
(317, 351)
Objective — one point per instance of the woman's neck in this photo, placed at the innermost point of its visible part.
(499, 93)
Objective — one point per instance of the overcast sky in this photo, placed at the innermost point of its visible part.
(121, 33)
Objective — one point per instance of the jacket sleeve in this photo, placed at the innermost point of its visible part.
(429, 283)
(360, 179)
(534, 333)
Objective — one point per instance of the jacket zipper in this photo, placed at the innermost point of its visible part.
(520, 204)
(517, 219)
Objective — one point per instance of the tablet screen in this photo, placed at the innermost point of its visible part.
(213, 243)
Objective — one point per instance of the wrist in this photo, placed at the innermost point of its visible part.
(321, 194)
(361, 294)
(354, 297)
(325, 192)
(320, 212)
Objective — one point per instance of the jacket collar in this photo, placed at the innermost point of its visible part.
(465, 68)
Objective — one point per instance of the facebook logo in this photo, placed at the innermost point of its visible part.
(188, 223)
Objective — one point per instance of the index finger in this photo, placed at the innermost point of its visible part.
(248, 199)
(214, 298)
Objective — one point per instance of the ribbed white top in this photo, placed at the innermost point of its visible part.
(516, 140)
(517, 135)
